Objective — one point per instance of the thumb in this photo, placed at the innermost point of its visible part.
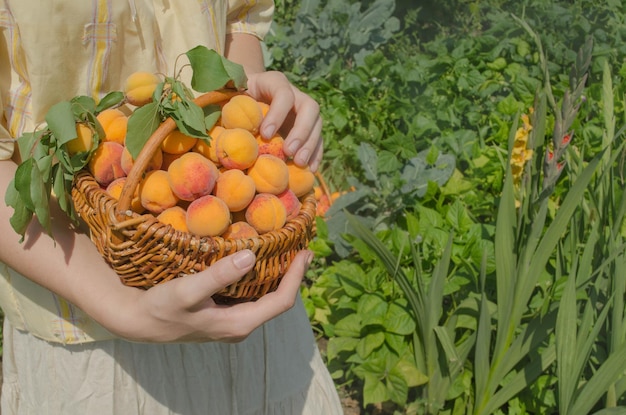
(195, 289)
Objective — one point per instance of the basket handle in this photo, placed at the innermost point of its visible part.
(141, 163)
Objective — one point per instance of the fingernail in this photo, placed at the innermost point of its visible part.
(243, 259)
(303, 156)
(268, 131)
(293, 146)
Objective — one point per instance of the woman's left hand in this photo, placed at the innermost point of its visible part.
(292, 112)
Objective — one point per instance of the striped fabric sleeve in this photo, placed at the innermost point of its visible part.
(250, 16)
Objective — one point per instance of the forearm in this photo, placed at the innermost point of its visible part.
(68, 265)
(245, 49)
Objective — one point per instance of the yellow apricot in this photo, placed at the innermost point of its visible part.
(264, 108)
(114, 189)
(155, 192)
(155, 162)
(139, 87)
(114, 123)
(240, 230)
(106, 162)
(83, 141)
(236, 148)
(177, 142)
(191, 176)
(242, 111)
(207, 147)
(301, 178)
(266, 213)
(208, 216)
(270, 174)
(235, 188)
(176, 217)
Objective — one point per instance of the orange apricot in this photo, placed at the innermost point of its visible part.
(155, 192)
(291, 202)
(192, 176)
(106, 162)
(273, 146)
(266, 213)
(235, 188)
(155, 162)
(270, 174)
(139, 87)
(114, 123)
(240, 230)
(236, 148)
(174, 216)
(301, 178)
(242, 111)
(114, 189)
(207, 147)
(177, 142)
(208, 216)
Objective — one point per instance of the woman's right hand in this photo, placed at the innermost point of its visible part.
(182, 310)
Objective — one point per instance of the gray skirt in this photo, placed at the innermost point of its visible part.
(276, 370)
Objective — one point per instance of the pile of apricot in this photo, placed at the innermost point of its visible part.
(237, 184)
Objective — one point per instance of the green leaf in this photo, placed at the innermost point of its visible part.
(398, 320)
(369, 343)
(189, 119)
(374, 390)
(21, 214)
(141, 124)
(211, 71)
(349, 326)
(109, 100)
(61, 122)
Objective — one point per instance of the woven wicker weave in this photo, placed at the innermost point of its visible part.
(145, 252)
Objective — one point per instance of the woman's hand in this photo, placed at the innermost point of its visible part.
(182, 310)
(292, 112)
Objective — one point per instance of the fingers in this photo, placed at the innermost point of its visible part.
(249, 316)
(293, 111)
(194, 290)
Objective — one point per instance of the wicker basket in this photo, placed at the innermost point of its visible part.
(145, 252)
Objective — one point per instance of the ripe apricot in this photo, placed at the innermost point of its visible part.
(168, 159)
(208, 216)
(192, 175)
(291, 202)
(265, 107)
(139, 87)
(155, 192)
(83, 141)
(106, 162)
(270, 174)
(155, 162)
(114, 189)
(240, 230)
(242, 111)
(301, 178)
(177, 142)
(235, 188)
(236, 148)
(273, 146)
(176, 217)
(266, 213)
(207, 147)
(114, 123)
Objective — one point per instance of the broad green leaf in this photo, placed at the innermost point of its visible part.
(27, 143)
(372, 308)
(21, 214)
(211, 71)
(409, 373)
(61, 122)
(349, 326)
(141, 124)
(398, 320)
(190, 120)
(369, 343)
(109, 100)
(212, 114)
(337, 344)
(82, 106)
(369, 161)
(374, 390)
(40, 195)
(23, 178)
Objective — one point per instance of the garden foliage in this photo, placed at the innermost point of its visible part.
(477, 263)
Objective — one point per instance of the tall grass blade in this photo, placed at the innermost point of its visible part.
(565, 341)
